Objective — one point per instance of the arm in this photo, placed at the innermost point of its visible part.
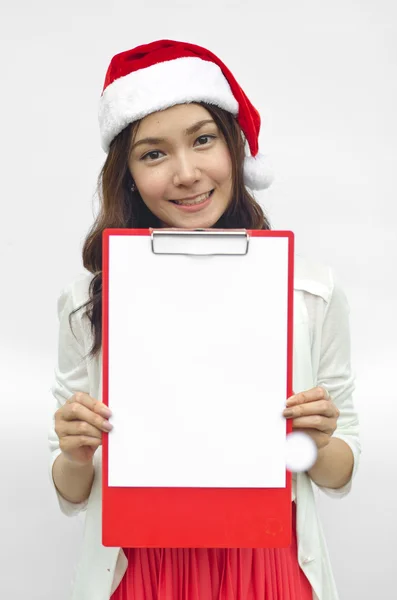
(334, 465)
(72, 485)
(72, 481)
(337, 463)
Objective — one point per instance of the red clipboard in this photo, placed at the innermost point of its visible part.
(182, 517)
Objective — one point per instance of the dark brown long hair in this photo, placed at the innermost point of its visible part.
(122, 208)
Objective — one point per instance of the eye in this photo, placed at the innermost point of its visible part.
(150, 153)
(204, 137)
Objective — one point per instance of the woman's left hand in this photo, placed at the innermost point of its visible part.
(314, 413)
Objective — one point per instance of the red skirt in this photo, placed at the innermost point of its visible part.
(214, 573)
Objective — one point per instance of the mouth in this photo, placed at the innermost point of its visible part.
(195, 201)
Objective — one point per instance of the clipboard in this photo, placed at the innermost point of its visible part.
(144, 503)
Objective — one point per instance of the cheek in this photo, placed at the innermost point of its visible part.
(223, 169)
(151, 187)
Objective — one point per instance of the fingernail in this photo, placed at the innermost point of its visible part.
(105, 411)
(108, 426)
(288, 412)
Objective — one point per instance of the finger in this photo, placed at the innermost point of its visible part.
(72, 442)
(68, 428)
(316, 422)
(327, 394)
(77, 412)
(317, 393)
(90, 403)
(317, 407)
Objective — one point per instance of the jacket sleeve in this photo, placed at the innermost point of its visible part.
(336, 375)
(70, 376)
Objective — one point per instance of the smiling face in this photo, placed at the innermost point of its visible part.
(186, 159)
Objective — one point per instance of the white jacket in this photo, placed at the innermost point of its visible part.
(321, 356)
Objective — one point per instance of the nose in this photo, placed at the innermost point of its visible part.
(186, 172)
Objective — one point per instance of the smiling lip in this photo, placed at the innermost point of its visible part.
(190, 197)
(190, 208)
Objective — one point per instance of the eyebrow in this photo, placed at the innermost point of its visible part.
(188, 131)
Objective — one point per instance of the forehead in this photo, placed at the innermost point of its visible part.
(173, 119)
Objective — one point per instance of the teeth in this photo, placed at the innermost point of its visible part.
(195, 201)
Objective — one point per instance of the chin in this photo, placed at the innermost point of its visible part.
(199, 224)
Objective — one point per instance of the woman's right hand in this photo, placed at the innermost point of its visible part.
(79, 425)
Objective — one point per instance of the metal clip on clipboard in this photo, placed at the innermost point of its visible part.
(200, 242)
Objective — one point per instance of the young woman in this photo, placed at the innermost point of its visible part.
(175, 125)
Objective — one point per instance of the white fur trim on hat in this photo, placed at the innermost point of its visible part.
(160, 86)
(258, 173)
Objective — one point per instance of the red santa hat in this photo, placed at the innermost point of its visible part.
(164, 73)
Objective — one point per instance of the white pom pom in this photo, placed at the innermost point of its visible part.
(301, 452)
(258, 174)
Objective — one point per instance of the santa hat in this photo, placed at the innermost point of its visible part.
(164, 73)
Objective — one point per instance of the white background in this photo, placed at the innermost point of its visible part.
(323, 75)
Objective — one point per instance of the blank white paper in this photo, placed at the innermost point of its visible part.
(197, 366)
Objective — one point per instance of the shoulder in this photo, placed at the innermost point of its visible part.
(313, 277)
(76, 292)
(323, 294)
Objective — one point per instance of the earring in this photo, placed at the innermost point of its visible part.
(133, 187)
